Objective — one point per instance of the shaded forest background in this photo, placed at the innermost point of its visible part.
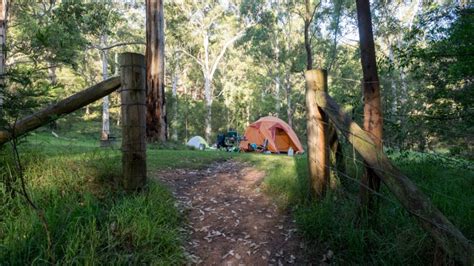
(246, 59)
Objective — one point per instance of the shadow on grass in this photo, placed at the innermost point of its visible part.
(397, 238)
(90, 221)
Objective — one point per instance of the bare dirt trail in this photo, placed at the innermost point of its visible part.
(230, 222)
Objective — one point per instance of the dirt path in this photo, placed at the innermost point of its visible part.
(230, 222)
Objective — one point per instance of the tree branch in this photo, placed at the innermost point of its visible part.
(117, 45)
(224, 48)
(192, 56)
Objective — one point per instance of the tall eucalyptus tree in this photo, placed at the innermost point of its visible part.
(216, 27)
(155, 73)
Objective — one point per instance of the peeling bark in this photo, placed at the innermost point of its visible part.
(155, 56)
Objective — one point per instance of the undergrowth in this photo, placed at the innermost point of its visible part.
(90, 221)
(396, 237)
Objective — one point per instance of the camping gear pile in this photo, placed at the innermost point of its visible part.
(270, 134)
(267, 135)
(228, 141)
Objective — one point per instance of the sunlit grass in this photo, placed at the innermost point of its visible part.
(396, 238)
(92, 222)
(89, 219)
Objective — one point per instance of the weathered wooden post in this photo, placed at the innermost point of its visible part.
(317, 129)
(446, 235)
(133, 97)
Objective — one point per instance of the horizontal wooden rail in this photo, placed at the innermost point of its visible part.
(66, 106)
(446, 235)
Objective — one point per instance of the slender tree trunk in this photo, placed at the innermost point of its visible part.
(53, 78)
(105, 101)
(174, 127)
(277, 76)
(155, 56)
(247, 115)
(208, 95)
(186, 104)
(332, 59)
(4, 5)
(307, 44)
(393, 85)
(373, 121)
(289, 110)
(277, 95)
(207, 87)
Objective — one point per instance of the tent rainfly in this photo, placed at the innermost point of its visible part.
(278, 135)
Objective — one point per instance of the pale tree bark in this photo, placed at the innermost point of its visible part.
(393, 85)
(276, 50)
(289, 107)
(208, 93)
(208, 68)
(404, 93)
(373, 120)
(277, 95)
(105, 101)
(4, 5)
(155, 72)
(53, 78)
(174, 92)
(186, 115)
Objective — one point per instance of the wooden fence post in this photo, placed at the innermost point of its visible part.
(446, 235)
(317, 129)
(133, 98)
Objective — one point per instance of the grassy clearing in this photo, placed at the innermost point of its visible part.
(90, 221)
(396, 238)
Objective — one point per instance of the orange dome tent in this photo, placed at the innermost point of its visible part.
(279, 135)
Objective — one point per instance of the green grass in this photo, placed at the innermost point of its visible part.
(283, 181)
(396, 238)
(90, 221)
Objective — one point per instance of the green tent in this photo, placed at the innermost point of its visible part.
(197, 142)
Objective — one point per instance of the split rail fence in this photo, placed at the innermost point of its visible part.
(322, 109)
(132, 87)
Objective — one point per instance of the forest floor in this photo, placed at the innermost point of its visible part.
(229, 220)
